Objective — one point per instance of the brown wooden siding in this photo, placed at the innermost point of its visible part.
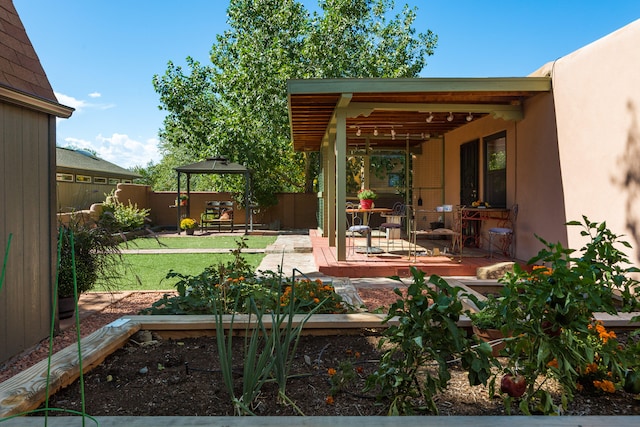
(27, 214)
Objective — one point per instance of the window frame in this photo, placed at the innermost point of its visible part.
(495, 180)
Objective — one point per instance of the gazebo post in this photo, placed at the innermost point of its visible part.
(178, 204)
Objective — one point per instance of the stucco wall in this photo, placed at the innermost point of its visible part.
(597, 103)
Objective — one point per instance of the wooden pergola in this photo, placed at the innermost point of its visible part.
(333, 115)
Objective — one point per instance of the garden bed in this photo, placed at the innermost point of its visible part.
(174, 377)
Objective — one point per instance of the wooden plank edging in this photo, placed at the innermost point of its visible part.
(27, 390)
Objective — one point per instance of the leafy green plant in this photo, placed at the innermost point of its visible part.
(366, 194)
(421, 346)
(233, 283)
(555, 339)
(488, 316)
(268, 352)
(122, 217)
(98, 259)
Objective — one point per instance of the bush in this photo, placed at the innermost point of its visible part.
(123, 217)
(558, 338)
(95, 256)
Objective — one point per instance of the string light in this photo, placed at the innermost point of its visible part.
(430, 118)
(450, 117)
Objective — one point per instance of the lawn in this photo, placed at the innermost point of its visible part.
(149, 271)
(198, 242)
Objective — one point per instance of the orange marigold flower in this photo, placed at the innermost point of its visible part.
(579, 387)
(591, 367)
(359, 369)
(605, 385)
(349, 352)
(553, 363)
(542, 269)
(311, 294)
(331, 372)
(357, 354)
(329, 400)
(316, 300)
(241, 278)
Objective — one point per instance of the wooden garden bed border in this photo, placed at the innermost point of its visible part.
(26, 391)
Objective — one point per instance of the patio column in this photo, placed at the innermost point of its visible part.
(341, 183)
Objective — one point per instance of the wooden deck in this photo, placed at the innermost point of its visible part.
(400, 258)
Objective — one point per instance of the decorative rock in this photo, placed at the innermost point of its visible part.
(144, 370)
(495, 271)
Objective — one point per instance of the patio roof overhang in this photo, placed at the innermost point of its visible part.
(338, 115)
(402, 105)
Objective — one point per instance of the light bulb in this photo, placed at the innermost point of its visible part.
(450, 117)
(358, 132)
(470, 117)
(375, 132)
(430, 118)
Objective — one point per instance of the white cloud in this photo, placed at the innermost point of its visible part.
(80, 104)
(70, 101)
(121, 150)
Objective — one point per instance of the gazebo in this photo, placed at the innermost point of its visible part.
(215, 165)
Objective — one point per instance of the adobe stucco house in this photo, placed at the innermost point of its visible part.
(570, 133)
(28, 112)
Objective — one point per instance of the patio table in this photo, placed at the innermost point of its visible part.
(366, 214)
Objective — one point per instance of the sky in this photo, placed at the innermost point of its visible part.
(100, 55)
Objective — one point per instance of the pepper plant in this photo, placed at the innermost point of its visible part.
(423, 344)
(561, 293)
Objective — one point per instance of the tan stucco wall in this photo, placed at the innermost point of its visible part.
(597, 102)
(572, 152)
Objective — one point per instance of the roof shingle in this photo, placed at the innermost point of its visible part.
(20, 67)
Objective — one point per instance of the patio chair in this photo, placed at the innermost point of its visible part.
(355, 227)
(392, 228)
(506, 233)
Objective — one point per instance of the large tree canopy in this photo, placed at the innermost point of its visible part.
(237, 105)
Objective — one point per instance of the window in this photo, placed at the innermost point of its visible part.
(113, 181)
(68, 177)
(495, 169)
(83, 178)
(99, 180)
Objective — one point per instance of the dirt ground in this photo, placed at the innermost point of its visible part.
(182, 377)
(153, 379)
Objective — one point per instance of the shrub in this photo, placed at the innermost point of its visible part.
(426, 335)
(123, 217)
(558, 337)
(96, 256)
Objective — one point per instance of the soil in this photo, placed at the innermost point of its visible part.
(182, 377)
(117, 387)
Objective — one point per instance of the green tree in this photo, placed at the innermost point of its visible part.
(237, 105)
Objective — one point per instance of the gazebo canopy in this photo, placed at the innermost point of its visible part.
(220, 166)
(213, 165)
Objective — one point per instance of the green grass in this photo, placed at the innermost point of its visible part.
(199, 242)
(152, 269)
(149, 271)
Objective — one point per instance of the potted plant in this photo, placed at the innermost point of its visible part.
(488, 321)
(188, 225)
(95, 256)
(182, 200)
(366, 197)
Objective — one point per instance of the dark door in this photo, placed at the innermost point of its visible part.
(469, 158)
(469, 153)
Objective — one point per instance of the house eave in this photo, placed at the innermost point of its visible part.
(24, 99)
